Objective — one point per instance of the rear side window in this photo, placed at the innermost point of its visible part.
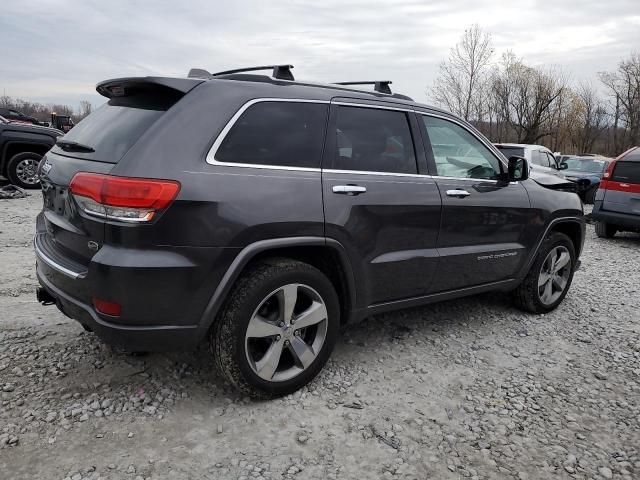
(287, 134)
(374, 140)
(626, 172)
(112, 129)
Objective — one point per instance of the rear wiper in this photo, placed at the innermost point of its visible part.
(69, 146)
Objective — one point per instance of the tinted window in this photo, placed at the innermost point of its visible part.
(457, 152)
(277, 133)
(374, 140)
(511, 151)
(112, 129)
(628, 172)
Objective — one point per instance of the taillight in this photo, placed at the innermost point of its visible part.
(122, 198)
(107, 307)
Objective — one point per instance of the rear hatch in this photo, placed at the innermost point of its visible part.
(66, 235)
(622, 187)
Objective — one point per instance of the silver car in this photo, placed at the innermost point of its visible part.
(617, 203)
(540, 158)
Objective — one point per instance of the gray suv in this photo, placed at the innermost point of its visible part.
(261, 215)
(617, 202)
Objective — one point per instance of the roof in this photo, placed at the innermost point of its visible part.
(520, 145)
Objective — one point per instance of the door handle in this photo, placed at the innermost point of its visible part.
(458, 193)
(349, 189)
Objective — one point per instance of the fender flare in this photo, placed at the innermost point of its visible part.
(250, 251)
(550, 225)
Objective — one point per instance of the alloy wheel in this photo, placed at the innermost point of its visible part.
(554, 275)
(27, 171)
(286, 332)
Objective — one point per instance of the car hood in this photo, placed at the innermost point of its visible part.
(553, 182)
(579, 174)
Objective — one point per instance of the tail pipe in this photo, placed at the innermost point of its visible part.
(44, 297)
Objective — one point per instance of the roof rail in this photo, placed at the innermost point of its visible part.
(381, 86)
(281, 72)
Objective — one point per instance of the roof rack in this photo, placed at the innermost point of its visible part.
(281, 72)
(381, 86)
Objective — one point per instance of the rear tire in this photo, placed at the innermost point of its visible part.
(550, 276)
(22, 170)
(277, 328)
(605, 230)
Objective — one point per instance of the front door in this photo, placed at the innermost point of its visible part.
(483, 217)
(377, 204)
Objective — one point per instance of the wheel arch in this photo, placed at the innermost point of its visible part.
(13, 148)
(573, 227)
(328, 255)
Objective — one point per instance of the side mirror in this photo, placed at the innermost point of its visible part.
(518, 169)
(563, 166)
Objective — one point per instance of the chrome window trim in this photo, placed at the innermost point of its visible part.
(211, 155)
(489, 146)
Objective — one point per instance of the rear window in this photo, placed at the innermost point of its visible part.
(275, 133)
(112, 129)
(511, 151)
(627, 172)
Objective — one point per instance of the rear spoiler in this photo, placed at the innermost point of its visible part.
(122, 87)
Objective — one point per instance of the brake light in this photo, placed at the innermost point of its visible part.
(122, 198)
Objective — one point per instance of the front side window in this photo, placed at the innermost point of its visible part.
(373, 140)
(277, 133)
(458, 153)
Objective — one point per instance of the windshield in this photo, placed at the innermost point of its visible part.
(588, 165)
(511, 151)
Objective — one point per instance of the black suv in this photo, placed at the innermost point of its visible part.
(262, 214)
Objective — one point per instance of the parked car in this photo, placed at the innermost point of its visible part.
(262, 214)
(586, 171)
(540, 158)
(15, 116)
(617, 202)
(21, 148)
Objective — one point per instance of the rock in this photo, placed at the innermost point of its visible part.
(600, 375)
(605, 472)
(303, 438)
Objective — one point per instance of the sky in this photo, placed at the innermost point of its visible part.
(57, 50)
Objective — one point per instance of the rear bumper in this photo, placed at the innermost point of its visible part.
(151, 338)
(163, 292)
(624, 220)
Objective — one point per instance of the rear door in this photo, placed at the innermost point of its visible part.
(483, 218)
(95, 145)
(622, 189)
(379, 203)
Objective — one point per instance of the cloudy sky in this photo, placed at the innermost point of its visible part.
(56, 50)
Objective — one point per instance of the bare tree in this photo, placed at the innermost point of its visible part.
(464, 74)
(624, 89)
(591, 118)
(85, 109)
(527, 98)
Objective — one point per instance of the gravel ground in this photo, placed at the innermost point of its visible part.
(465, 389)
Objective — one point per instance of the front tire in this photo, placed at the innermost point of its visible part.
(22, 170)
(605, 230)
(277, 328)
(550, 276)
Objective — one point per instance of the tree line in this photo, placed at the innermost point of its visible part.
(510, 101)
(43, 112)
